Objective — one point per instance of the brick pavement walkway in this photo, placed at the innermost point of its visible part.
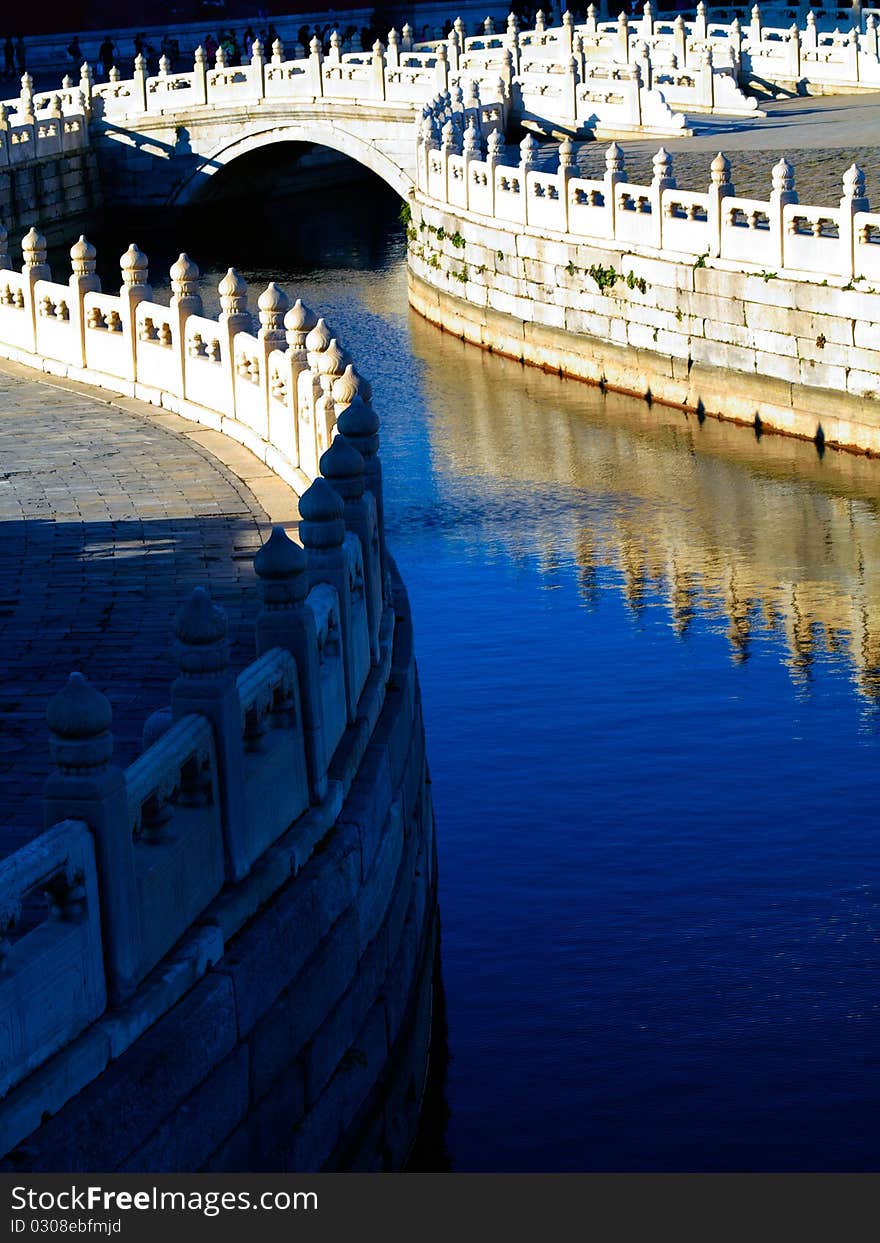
(110, 514)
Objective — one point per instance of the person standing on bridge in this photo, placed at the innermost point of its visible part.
(106, 55)
(74, 51)
(9, 58)
(20, 55)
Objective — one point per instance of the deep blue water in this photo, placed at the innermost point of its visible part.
(649, 654)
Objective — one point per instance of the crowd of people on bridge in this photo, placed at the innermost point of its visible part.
(237, 45)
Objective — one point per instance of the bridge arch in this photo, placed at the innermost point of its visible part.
(321, 133)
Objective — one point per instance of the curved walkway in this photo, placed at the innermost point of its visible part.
(110, 513)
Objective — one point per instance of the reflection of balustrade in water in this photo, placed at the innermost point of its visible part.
(700, 519)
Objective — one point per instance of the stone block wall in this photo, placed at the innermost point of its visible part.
(785, 354)
(50, 193)
(305, 1046)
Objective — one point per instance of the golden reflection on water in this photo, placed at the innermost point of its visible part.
(702, 515)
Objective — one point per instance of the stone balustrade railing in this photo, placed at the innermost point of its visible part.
(32, 128)
(643, 74)
(133, 859)
(579, 78)
(758, 235)
(390, 74)
(810, 49)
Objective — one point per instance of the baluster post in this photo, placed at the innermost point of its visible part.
(233, 318)
(854, 200)
(615, 172)
(322, 531)
(316, 67)
(185, 301)
(86, 785)
(359, 423)
(206, 685)
(258, 69)
(284, 621)
(298, 323)
(272, 305)
(720, 188)
(135, 289)
(34, 268)
(343, 468)
(200, 75)
(139, 88)
(662, 179)
(378, 70)
(83, 279)
(782, 193)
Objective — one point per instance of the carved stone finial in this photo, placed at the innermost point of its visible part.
(346, 386)
(332, 360)
(298, 323)
(79, 719)
(719, 170)
(202, 636)
(233, 293)
(782, 177)
(472, 145)
(134, 266)
(321, 511)
(33, 249)
(495, 145)
(318, 338)
(343, 467)
(614, 160)
(359, 423)
(83, 257)
(662, 166)
(854, 183)
(272, 305)
(528, 151)
(282, 567)
(567, 159)
(184, 277)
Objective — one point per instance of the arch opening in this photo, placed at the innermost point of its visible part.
(385, 157)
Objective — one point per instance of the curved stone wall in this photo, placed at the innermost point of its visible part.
(305, 1045)
(234, 968)
(766, 312)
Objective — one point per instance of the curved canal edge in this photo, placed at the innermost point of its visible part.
(834, 420)
(306, 1045)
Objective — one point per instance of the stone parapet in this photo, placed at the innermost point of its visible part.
(269, 810)
(757, 310)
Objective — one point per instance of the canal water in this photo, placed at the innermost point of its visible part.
(649, 650)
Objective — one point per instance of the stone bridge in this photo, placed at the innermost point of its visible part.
(160, 138)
